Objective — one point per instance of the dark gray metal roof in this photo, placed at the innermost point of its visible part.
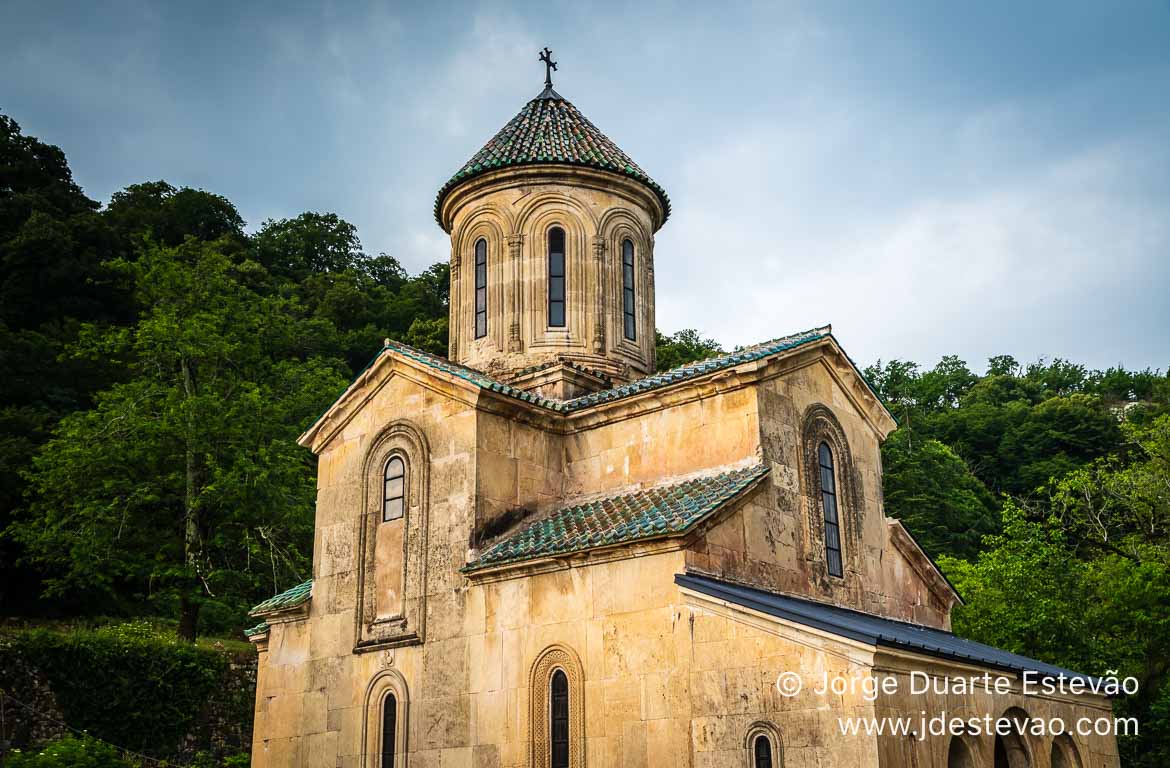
(870, 629)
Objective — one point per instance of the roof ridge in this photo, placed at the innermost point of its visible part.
(698, 367)
(674, 375)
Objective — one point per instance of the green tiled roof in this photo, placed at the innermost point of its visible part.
(550, 131)
(259, 629)
(647, 514)
(475, 377)
(290, 598)
(654, 381)
(696, 369)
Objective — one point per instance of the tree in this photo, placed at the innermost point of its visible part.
(312, 243)
(929, 488)
(171, 215)
(53, 243)
(682, 347)
(1025, 594)
(184, 483)
(1054, 438)
(1081, 578)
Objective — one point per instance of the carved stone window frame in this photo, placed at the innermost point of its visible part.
(769, 731)
(540, 702)
(616, 228)
(551, 211)
(402, 439)
(387, 682)
(820, 425)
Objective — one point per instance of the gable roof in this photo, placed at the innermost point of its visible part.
(549, 130)
(870, 629)
(668, 510)
(679, 374)
(653, 381)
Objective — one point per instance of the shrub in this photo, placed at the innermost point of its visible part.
(70, 752)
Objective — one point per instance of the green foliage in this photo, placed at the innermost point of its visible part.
(929, 488)
(71, 752)
(169, 216)
(1015, 429)
(185, 479)
(682, 347)
(312, 243)
(128, 685)
(428, 335)
(53, 243)
(1083, 580)
(101, 312)
(1023, 594)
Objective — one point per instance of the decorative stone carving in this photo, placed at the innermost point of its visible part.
(551, 659)
(821, 425)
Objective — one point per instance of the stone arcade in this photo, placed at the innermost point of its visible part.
(540, 552)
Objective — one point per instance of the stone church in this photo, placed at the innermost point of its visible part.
(542, 552)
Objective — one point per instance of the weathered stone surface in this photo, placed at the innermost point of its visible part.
(666, 677)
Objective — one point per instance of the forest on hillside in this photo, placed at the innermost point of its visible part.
(159, 362)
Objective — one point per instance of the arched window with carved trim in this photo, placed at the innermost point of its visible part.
(556, 277)
(389, 730)
(829, 508)
(629, 318)
(385, 721)
(393, 489)
(557, 710)
(480, 288)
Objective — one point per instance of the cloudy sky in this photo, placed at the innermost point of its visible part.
(978, 179)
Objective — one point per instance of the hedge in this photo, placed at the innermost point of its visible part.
(130, 686)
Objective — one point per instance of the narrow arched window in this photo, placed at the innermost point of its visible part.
(762, 752)
(556, 277)
(829, 505)
(559, 719)
(389, 729)
(480, 288)
(629, 321)
(393, 489)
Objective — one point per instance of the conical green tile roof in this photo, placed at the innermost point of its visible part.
(550, 131)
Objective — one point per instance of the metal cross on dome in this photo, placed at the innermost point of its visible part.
(549, 66)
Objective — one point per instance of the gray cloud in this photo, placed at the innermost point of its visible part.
(981, 180)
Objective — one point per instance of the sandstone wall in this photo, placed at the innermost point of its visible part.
(776, 540)
(513, 211)
(976, 701)
(651, 447)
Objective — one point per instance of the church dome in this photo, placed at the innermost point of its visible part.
(549, 130)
